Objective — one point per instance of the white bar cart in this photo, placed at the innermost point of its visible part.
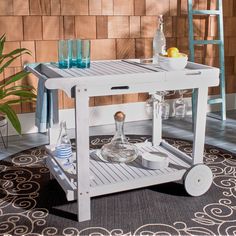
(125, 77)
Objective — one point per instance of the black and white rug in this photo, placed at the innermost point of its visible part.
(32, 204)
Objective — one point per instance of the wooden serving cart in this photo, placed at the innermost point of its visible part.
(93, 177)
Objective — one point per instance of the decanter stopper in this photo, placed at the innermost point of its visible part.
(119, 149)
(119, 116)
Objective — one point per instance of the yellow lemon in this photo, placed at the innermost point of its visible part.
(173, 52)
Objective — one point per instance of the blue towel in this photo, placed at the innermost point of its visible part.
(46, 108)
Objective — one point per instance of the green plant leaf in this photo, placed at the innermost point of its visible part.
(2, 37)
(2, 42)
(2, 93)
(11, 115)
(17, 51)
(22, 93)
(14, 78)
(8, 63)
(10, 60)
(26, 87)
(17, 101)
(1, 59)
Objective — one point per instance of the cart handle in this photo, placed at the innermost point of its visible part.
(119, 87)
(194, 73)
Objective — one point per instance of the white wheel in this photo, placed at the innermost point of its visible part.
(198, 180)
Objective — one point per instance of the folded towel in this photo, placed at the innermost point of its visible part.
(46, 108)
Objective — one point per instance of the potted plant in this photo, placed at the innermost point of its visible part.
(22, 93)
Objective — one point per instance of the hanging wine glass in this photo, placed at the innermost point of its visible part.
(163, 106)
(149, 103)
(179, 106)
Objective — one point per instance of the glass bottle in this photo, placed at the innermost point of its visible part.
(63, 146)
(159, 41)
(119, 149)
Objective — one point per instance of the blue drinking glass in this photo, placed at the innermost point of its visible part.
(83, 50)
(74, 52)
(65, 54)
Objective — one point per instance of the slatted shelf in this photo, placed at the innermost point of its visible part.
(106, 177)
(106, 68)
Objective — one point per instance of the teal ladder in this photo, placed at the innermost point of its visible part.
(220, 42)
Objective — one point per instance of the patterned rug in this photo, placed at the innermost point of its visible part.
(32, 204)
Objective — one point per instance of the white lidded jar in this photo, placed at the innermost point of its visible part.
(159, 41)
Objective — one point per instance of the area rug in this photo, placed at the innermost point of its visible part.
(32, 204)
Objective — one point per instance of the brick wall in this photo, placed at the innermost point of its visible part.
(117, 28)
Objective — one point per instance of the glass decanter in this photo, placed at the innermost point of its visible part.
(119, 149)
(63, 146)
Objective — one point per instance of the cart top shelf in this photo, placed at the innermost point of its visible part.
(124, 76)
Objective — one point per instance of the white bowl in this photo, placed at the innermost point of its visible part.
(173, 63)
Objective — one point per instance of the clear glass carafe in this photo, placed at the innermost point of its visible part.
(119, 149)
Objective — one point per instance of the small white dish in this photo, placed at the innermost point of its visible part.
(155, 160)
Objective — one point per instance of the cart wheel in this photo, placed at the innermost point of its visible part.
(198, 180)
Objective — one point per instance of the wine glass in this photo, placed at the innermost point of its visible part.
(179, 106)
(163, 107)
(149, 103)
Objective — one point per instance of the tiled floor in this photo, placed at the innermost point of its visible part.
(218, 133)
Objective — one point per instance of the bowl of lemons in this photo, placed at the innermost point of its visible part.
(173, 60)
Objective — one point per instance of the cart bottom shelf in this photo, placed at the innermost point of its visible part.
(106, 178)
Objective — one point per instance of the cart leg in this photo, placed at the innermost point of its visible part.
(200, 125)
(54, 134)
(156, 124)
(82, 153)
(55, 129)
